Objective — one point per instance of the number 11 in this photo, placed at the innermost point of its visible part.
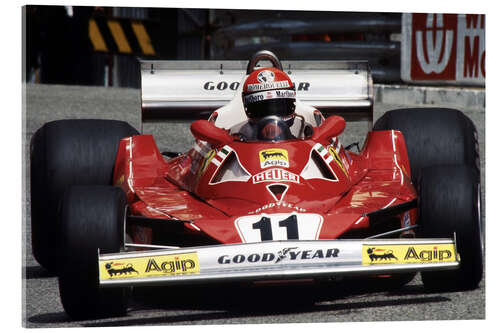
(266, 233)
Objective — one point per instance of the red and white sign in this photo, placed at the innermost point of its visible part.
(446, 48)
(275, 175)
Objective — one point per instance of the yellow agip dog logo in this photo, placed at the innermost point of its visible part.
(274, 157)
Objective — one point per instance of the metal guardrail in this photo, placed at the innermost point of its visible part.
(339, 23)
(341, 36)
(112, 37)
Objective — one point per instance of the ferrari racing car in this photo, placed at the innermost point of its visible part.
(265, 193)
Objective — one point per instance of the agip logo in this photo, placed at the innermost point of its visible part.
(115, 269)
(408, 254)
(150, 266)
(274, 157)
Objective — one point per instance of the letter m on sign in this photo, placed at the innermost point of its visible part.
(474, 48)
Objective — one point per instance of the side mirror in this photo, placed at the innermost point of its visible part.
(207, 131)
(333, 126)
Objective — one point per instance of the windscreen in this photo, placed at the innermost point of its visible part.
(272, 129)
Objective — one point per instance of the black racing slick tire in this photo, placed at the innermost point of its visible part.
(92, 218)
(434, 136)
(64, 153)
(450, 205)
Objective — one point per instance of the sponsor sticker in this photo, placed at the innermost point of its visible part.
(281, 204)
(271, 94)
(206, 160)
(150, 266)
(285, 254)
(268, 85)
(274, 157)
(408, 254)
(265, 76)
(275, 174)
(337, 159)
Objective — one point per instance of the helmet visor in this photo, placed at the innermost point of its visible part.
(281, 107)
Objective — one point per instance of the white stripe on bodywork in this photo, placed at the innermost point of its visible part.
(221, 155)
(359, 220)
(131, 171)
(216, 162)
(395, 157)
(390, 203)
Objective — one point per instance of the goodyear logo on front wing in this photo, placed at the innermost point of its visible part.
(274, 157)
(408, 254)
(150, 266)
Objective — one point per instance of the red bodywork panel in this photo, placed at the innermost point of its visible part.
(304, 189)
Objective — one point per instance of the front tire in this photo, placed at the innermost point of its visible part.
(92, 218)
(65, 153)
(449, 205)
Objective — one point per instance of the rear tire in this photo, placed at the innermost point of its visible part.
(434, 136)
(92, 217)
(66, 153)
(449, 203)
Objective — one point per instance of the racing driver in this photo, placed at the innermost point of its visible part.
(269, 101)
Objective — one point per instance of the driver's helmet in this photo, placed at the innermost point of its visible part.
(269, 92)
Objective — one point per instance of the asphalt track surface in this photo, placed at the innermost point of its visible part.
(347, 301)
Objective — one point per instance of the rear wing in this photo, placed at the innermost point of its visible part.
(173, 90)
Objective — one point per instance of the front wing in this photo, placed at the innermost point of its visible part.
(276, 260)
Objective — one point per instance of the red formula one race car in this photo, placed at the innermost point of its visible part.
(268, 192)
